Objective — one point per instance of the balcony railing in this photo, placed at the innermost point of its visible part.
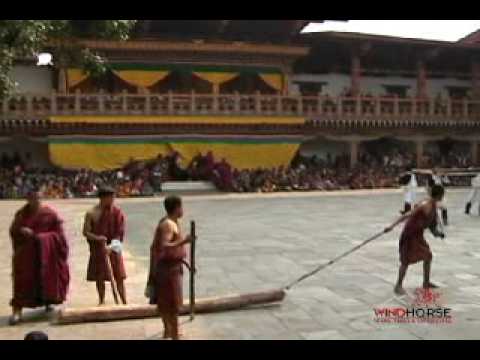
(30, 106)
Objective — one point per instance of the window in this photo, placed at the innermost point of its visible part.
(310, 88)
(396, 90)
(457, 92)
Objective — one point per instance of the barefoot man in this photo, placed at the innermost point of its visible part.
(167, 255)
(413, 247)
(104, 227)
(40, 251)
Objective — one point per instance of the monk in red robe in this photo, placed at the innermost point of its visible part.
(167, 255)
(105, 224)
(40, 250)
(413, 247)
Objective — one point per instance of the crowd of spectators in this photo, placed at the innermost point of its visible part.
(137, 178)
(374, 169)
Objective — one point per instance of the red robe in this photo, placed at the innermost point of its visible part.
(413, 246)
(166, 274)
(40, 269)
(110, 224)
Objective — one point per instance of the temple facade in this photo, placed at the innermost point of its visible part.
(252, 92)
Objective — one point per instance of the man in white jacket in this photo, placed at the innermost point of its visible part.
(410, 188)
(474, 194)
(436, 178)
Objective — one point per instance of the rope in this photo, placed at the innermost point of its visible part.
(331, 262)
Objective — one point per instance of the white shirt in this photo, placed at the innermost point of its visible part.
(410, 190)
(437, 180)
(476, 181)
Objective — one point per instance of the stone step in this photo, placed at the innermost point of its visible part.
(188, 186)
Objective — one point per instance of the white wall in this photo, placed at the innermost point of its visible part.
(337, 82)
(33, 79)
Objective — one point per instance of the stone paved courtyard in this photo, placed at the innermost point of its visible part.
(257, 242)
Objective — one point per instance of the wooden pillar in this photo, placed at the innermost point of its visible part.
(355, 75)
(5, 102)
(215, 103)
(396, 107)
(476, 87)
(193, 106)
(170, 102)
(237, 108)
(124, 102)
(476, 80)
(53, 103)
(419, 147)
(319, 104)
(148, 104)
(29, 104)
(62, 81)
(278, 104)
(353, 153)
(422, 91)
(299, 105)
(101, 102)
(474, 149)
(78, 105)
(257, 102)
(287, 75)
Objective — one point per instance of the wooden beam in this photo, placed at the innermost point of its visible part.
(138, 45)
(211, 305)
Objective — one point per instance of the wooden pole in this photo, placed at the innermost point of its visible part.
(192, 271)
(202, 306)
(112, 278)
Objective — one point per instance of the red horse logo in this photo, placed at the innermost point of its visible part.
(426, 297)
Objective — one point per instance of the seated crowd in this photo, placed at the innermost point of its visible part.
(144, 178)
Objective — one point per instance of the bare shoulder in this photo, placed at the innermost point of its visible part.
(93, 213)
(118, 210)
(170, 225)
(426, 207)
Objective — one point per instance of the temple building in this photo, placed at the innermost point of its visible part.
(254, 92)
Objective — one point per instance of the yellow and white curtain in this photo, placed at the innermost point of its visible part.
(145, 76)
(141, 78)
(75, 77)
(276, 81)
(216, 78)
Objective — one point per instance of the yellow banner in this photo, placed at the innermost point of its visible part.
(235, 120)
(141, 78)
(100, 157)
(242, 156)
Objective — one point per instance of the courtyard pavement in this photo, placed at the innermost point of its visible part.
(259, 242)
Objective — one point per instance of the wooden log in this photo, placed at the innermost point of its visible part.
(202, 306)
(192, 270)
